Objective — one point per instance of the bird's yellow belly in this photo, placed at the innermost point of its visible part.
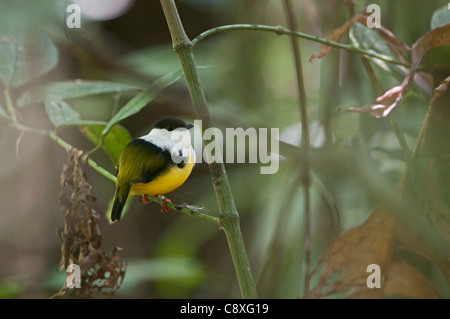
(166, 183)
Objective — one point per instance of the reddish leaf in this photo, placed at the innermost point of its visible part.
(335, 35)
(394, 44)
(346, 259)
(384, 104)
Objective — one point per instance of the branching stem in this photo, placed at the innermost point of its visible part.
(283, 31)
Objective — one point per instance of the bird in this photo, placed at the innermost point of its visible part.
(154, 164)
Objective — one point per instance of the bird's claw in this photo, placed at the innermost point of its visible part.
(164, 207)
(144, 199)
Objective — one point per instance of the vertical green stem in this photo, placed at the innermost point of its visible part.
(228, 216)
(306, 174)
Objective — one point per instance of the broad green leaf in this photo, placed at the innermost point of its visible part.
(25, 54)
(366, 38)
(142, 99)
(113, 143)
(440, 17)
(61, 114)
(72, 89)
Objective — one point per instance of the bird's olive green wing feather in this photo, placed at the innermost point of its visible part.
(140, 162)
(120, 199)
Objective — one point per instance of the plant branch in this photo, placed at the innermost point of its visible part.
(185, 209)
(407, 156)
(283, 31)
(188, 211)
(91, 162)
(306, 174)
(228, 215)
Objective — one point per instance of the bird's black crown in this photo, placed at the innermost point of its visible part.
(171, 124)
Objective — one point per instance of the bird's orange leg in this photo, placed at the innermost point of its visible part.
(144, 199)
(164, 207)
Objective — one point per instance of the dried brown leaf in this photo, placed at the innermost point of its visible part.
(101, 273)
(432, 39)
(382, 103)
(419, 222)
(348, 256)
(395, 45)
(423, 223)
(335, 35)
(404, 280)
(441, 89)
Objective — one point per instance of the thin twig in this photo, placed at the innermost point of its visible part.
(306, 174)
(91, 162)
(185, 209)
(188, 210)
(22, 128)
(283, 31)
(111, 177)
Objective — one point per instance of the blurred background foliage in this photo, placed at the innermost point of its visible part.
(249, 81)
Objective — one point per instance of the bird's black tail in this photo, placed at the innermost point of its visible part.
(119, 202)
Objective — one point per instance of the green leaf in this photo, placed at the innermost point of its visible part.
(113, 143)
(61, 114)
(142, 99)
(25, 54)
(71, 89)
(366, 38)
(440, 17)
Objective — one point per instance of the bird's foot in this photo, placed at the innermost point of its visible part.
(144, 199)
(164, 207)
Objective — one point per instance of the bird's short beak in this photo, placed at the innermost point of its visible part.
(189, 126)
